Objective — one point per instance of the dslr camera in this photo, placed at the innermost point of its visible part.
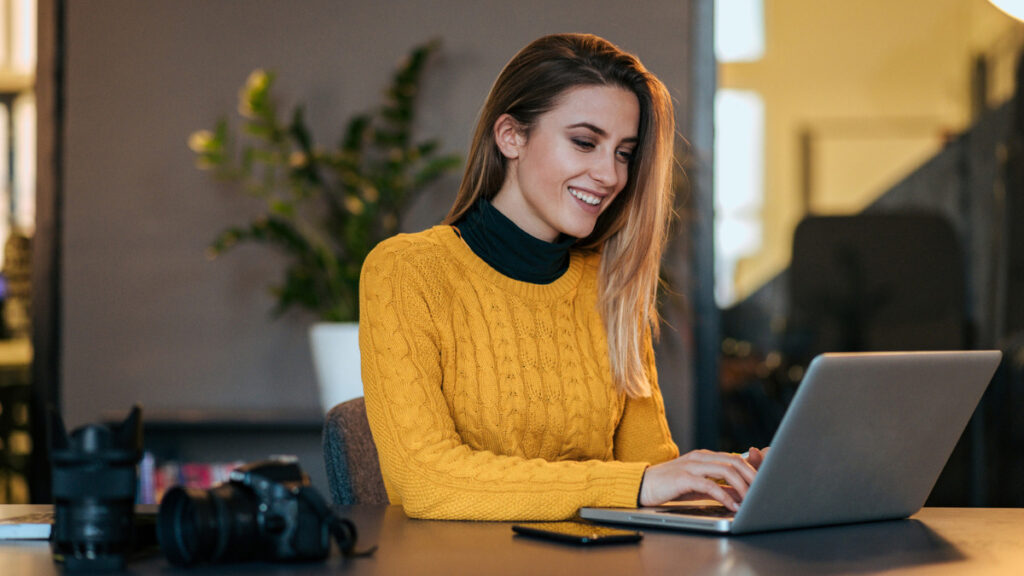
(266, 511)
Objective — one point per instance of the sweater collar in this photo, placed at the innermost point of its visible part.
(509, 249)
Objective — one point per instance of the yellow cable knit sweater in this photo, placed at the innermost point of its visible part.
(491, 398)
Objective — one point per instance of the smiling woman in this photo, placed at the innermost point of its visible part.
(507, 355)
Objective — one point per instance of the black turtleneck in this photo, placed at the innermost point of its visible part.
(511, 251)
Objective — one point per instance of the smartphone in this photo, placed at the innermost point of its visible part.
(577, 532)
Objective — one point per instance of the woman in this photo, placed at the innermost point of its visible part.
(507, 354)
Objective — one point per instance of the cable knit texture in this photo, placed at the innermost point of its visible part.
(490, 398)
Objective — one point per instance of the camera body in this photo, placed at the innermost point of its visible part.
(266, 511)
(289, 527)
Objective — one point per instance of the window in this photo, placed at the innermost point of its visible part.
(17, 218)
(739, 147)
(17, 118)
(739, 184)
(739, 30)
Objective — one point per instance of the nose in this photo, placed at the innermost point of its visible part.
(607, 170)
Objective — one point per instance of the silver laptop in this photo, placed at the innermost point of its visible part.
(865, 438)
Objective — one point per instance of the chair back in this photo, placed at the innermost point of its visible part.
(350, 456)
(876, 282)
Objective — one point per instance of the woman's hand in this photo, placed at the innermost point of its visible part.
(756, 456)
(700, 474)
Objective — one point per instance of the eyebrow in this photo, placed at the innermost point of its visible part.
(600, 131)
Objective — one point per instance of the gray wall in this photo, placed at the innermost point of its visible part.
(146, 317)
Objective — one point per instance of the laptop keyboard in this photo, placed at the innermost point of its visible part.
(709, 511)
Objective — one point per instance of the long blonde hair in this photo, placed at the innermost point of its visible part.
(631, 233)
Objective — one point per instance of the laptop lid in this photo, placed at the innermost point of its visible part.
(865, 438)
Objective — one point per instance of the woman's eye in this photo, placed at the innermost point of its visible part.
(584, 144)
(626, 155)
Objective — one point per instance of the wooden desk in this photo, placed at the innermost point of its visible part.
(937, 541)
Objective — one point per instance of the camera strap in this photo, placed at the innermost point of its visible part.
(343, 529)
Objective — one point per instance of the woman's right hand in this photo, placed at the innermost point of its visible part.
(699, 474)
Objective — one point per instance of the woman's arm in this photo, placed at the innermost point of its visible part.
(643, 435)
(425, 463)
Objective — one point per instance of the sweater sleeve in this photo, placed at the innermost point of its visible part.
(643, 434)
(426, 465)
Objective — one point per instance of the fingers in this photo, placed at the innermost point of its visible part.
(701, 473)
(700, 488)
(728, 498)
(715, 471)
(756, 456)
(736, 472)
(732, 468)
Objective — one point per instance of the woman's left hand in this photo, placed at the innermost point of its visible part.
(756, 456)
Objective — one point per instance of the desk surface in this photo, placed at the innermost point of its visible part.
(936, 541)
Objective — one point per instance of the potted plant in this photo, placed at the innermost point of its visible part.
(325, 208)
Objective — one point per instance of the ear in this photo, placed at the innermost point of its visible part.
(509, 136)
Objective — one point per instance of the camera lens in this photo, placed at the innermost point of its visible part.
(94, 483)
(216, 525)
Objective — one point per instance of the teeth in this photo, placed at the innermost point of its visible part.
(588, 198)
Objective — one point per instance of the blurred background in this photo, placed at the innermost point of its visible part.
(853, 182)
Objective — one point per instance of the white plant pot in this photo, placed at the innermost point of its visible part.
(335, 348)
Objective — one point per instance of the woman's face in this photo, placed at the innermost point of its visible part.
(572, 165)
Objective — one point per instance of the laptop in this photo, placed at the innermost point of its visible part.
(865, 438)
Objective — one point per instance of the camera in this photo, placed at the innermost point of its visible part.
(265, 511)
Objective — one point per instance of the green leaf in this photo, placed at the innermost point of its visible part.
(356, 134)
(300, 132)
(282, 208)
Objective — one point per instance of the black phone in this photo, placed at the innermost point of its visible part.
(577, 532)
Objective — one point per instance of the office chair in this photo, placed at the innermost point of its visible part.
(874, 282)
(350, 456)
